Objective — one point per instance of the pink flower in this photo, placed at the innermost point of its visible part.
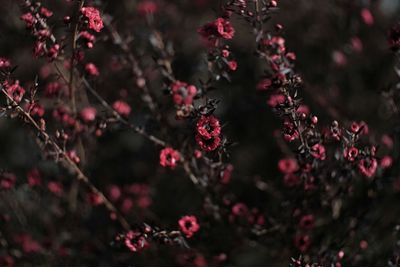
(208, 145)
(368, 166)
(289, 131)
(288, 165)
(367, 16)
(114, 192)
(339, 58)
(183, 93)
(275, 100)
(88, 114)
(4, 63)
(28, 244)
(225, 53)
(350, 153)
(28, 19)
(53, 52)
(189, 225)
(73, 156)
(232, 65)
(91, 69)
(264, 84)
(7, 180)
(169, 157)
(291, 56)
(90, 38)
(34, 178)
(122, 108)
(56, 188)
(94, 199)
(15, 91)
(220, 28)
(93, 15)
(318, 151)
(356, 44)
(303, 109)
(208, 127)
(36, 109)
(226, 174)
(53, 89)
(135, 241)
(240, 209)
(45, 12)
(386, 162)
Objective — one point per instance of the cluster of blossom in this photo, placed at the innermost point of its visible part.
(35, 20)
(214, 34)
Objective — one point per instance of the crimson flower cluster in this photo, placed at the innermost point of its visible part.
(208, 133)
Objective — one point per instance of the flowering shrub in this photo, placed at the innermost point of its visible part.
(199, 133)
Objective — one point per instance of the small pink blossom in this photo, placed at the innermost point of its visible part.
(189, 225)
(93, 15)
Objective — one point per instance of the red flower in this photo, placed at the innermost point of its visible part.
(93, 14)
(232, 65)
(169, 157)
(189, 225)
(367, 16)
(28, 244)
(219, 28)
(91, 69)
(318, 151)
(226, 174)
(122, 108)
(240, 209)
(90, 38)
(289, 131)
(15, 91)
(275, 100)
(183, 93)
(88, 114)
(386, 162)
(135, 241)
(36, 109)
(94, 199)
(28, 19)
(4, 63)
(34, 177)
(288, 165)
(56, 188)
(7, 180)
(350, 153)
(45, 12)
(208, 127)
(264, 84)
(208, 144)
(53, 89)
(368, 166)
(53, 52)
